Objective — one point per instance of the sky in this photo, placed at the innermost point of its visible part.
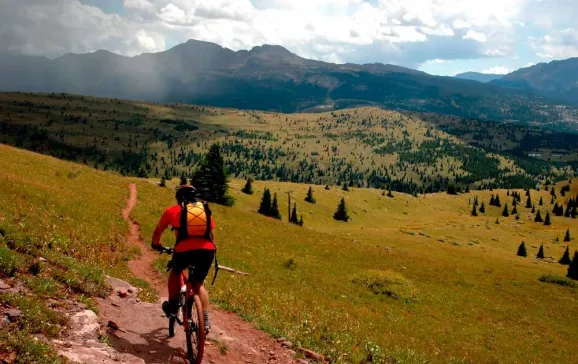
(442, 37)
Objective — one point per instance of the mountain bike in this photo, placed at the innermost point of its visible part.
(189, 315)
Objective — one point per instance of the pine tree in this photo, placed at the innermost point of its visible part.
(573, 268)
(248, 189)
(275, 208)
(514, 211)
(508, 193)
(497, 201)
(310, 197)
(163, 182)
(565, 260)
(265, 207)
(528, 202)
(211, 179)
(505, 213)
(547, 220)
(540, 252)
(389, 194)
(301, 220)
(533, 209)
(567, 237)
(522, 250)
(514, 201)
(452, 190)
(541, 202)
(483, 208)
(341, 213)
(492, 201)
(345, 187)
(574, 212)
(183, 180)
(538, 217)
(474, 212)
(293, 218)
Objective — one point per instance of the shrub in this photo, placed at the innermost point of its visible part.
(388, 283)
(549, 278)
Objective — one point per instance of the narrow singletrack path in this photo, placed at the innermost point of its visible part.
(142, 327)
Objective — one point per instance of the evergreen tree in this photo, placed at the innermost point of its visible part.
(248, 188)
(301, 220)
(533, 209)
(573, 268)
(565, 260)
(567, 237)
(474, 212)
(452, 190)
(483, 208)
(492, 201)
(528, 202)
(574, 212)
(310, 197)
(522, 250)
(183, 180)
(341, 212)
(541, 202)
(163, 182)
(505, 213)
(497, 201)
(517, 217)
(293, 218)
(211, 179)
(345, 187)
(389, 194)
(540, 252)
(275, 208)
(265, 207)
(514, 211)
(567, 213)
(538, 217)
(514, 201)
(547, 220)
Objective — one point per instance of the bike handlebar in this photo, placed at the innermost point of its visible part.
(163, 249)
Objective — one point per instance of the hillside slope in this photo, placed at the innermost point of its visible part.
(478, 76)
(361, 147)
(267, 78)
(461, 293)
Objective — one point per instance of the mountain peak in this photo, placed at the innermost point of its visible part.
(274, 50)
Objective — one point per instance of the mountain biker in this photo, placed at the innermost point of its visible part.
(197, 251)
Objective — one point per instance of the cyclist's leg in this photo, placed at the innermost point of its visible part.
(174, 286)
(203, 261)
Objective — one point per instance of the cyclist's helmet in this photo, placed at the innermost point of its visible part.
(185, 192)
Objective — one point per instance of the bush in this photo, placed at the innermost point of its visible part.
(389, 283)
(550, 278)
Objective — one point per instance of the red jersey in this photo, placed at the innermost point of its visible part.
(172, 217)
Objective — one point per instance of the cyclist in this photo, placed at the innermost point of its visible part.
(197, 251)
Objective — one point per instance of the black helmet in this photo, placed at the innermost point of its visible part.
(185, 192)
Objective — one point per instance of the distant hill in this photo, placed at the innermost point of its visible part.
(478, 76)
(557, 79)
(266, 78)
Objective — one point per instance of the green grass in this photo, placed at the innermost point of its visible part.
(562, 281)
(470, 303)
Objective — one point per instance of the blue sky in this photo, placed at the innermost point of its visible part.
(442, 37)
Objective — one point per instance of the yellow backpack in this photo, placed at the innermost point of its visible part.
(195, 221)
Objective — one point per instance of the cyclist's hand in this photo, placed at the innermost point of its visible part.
(168, 251)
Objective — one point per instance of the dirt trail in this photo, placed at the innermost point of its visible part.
(143, 327)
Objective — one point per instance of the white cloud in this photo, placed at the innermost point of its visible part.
(477, 36)
(460, 24)
(173, 14)
(559, 44)
(498, 70)
(138, 4)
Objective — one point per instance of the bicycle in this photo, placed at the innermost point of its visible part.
(191, 311)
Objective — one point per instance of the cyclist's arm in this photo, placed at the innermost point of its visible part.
(161, 227)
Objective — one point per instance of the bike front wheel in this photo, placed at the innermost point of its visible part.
(195, 330)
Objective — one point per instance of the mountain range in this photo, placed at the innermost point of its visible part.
(478, 76)
(272, 78)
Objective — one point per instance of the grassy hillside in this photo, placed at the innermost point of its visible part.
(361, 147)
(459, 293)
(61, 232)
(406, 280)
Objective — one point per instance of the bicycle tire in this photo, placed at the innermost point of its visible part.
(195, 338)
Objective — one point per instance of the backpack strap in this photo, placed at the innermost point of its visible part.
(182, 229)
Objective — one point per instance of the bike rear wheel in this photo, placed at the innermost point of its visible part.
(195, 330)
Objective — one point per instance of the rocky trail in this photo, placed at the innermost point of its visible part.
(137, 331)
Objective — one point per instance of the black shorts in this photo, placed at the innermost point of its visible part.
(200, 261)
